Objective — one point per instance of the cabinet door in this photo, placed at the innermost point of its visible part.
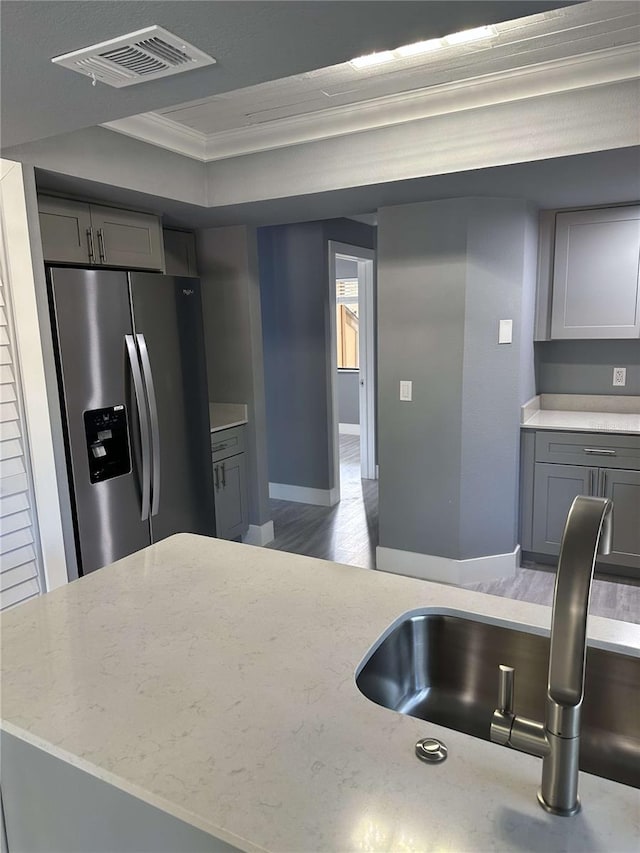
(179, 252)
(127, 239)
(230, 485)
(554, 488)
(65, 227)
(596, 289)
(623, 487)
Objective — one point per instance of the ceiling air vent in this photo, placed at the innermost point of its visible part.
(144, 55)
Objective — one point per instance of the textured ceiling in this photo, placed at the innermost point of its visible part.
(557, 34)
(252, 41)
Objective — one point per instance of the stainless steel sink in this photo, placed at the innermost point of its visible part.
(444, 669)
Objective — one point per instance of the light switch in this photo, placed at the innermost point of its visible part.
(406, 389)
(505, 332)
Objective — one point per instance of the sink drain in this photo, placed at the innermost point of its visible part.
(431, 750)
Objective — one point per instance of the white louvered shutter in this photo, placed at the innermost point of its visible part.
(20, 563)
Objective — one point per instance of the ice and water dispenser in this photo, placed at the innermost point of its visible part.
(107, 438)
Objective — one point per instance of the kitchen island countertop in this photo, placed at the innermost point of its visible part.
(216, 681)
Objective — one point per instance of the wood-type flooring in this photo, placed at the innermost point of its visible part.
(348, 533)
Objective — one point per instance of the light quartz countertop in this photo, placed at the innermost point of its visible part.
(225, 415)
(215, 681)
(583, 413)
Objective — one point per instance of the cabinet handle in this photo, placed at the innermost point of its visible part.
(599, 451)
(101, 249)
(591, 483)
(216, 478)
(92, 254)
(604, 484)
(224, 479)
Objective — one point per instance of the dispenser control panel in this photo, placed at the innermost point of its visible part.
(107, 439)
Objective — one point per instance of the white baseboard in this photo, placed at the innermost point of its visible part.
(259, 534)
(303, 494)
(430, 567)
(349, 429)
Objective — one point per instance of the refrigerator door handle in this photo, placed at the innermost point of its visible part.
(155, 428)
(144, 425)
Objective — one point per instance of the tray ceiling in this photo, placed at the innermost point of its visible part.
(326, 101)
(253, 41)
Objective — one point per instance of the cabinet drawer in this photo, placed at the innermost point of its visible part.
(227, 442)
(593, 449)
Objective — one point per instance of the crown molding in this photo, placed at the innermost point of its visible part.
(596, 68)
(158, 130)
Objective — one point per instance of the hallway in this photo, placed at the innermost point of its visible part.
(346, 532)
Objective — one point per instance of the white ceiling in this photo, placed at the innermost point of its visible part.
(296, 108)
(520, 43)
(253, 42)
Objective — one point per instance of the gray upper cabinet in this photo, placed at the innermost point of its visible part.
(596, 285)
(74, 232)
(127, 239)
(65, 227)
(180, 252)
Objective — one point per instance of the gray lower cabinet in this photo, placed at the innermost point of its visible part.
(75, 232)
(549, 490)
(230, 482)
(596, 283)
(554, 489)
(623, 487)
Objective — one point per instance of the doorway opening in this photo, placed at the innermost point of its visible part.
(352, 366)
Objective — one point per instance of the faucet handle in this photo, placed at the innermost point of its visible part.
(505, 688)
(503, 716)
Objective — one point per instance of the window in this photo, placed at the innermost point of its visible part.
(347, 323)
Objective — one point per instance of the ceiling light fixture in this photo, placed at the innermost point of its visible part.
(426, 46)
(418, 47)
(475, 34)
(372, 59)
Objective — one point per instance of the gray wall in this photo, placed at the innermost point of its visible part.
(586, 367)
(228, 264)
(294, 283)
(101, 155)
(447, 273)
(348, 396)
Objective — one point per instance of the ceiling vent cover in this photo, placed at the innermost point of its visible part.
(144, 55)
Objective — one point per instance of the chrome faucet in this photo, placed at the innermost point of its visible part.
(587, 533)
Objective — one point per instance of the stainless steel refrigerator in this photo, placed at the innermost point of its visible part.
(133, 386)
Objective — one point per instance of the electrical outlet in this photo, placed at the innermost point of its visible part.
(619, 375)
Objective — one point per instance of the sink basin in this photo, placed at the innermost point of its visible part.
(444, 668)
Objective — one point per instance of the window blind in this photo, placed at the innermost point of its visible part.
(20, 569)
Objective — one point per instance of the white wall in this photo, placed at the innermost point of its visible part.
(18, 211)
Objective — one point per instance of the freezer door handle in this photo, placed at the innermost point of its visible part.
(143, 417)
(155, 428)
